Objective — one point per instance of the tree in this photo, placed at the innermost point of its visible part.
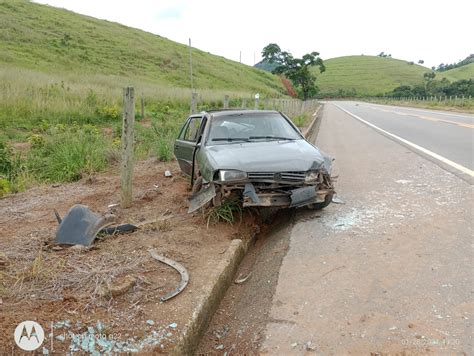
(402, 91)
(298, 70)
(271, 52)
(429, 76)
(421, 61)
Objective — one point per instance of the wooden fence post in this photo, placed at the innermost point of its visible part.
(193, 103)
(128, 124)
(226, 102)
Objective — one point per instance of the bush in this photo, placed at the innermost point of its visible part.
(300, 120)
(5, 160)
(4, 186)
(109, 113)
(36, 141)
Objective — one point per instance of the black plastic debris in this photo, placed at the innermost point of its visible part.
(80, 226)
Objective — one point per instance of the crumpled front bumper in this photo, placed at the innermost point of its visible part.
(301, 196)
(293, 198)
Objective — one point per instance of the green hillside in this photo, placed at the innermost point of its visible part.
(54, 41)
(367, 75)
(61, 81)
(463, 72)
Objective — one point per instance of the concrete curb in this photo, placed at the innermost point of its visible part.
(311, 125)
(212, 297)
(216, 290)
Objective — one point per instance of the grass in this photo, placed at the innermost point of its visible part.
(61, 80)
(224, 212)
(56, 41)
(367, 75)
(302, 120)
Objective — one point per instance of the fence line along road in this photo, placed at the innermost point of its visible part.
(290, 107)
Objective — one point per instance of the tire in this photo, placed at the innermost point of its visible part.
(197, 185)
(325, 203)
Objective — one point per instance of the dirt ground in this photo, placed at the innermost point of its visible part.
(62, 288)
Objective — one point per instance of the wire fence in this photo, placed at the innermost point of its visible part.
(435, 100)
(290, 107)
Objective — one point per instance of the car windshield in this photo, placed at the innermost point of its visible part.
(252, 127)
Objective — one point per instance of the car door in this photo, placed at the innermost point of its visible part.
(186, 142)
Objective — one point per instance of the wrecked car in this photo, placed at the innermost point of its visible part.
(257, 156)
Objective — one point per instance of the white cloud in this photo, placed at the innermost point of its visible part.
(434, 31)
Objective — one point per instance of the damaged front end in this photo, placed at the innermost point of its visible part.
(284, 189)
(266, 189)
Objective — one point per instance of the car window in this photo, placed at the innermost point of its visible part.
(190, 130)
(193, 128)
(183, 130)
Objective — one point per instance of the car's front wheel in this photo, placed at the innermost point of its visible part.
(325, 203)
(197, 185)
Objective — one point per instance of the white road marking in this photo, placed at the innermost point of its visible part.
(411, 144)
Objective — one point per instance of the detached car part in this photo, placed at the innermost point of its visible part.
(178, 267)
(81, 226)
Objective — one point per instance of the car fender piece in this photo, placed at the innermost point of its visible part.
(80, 226)
(178, 267)
(202, 198)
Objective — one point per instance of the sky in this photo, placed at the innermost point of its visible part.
(435, 31)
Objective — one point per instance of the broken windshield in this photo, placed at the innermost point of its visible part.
(251, 127)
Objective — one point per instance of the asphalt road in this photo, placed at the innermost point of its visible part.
(388, 271)
(448, 134)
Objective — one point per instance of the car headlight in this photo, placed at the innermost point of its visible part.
(230, 175)
(311, 177)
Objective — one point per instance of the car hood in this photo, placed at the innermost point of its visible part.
(268, 156)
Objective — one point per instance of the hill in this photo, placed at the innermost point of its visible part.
(55, 41)
(367, 75)
(266, 66)
(463, 72)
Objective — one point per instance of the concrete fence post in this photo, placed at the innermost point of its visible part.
(226, 102)
(126, 174)
(244, 103)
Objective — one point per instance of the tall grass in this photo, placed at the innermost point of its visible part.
(69, 156)
(27, 97)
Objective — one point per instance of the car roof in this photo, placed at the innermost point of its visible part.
(226, 112)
